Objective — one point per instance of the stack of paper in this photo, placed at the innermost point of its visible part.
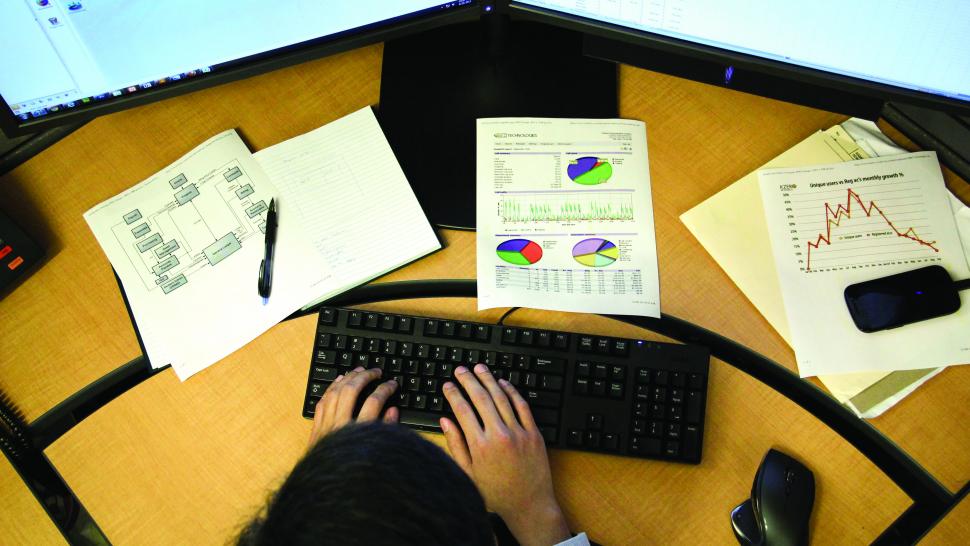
(726, 218)
(187, 243)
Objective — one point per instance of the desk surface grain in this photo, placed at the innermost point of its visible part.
(186, 462)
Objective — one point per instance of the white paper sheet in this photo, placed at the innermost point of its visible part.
(835, 225)
(353, 201)
(187, 244)
(565, 216)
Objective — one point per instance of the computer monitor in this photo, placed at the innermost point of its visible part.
(914, 52)
(64, 61)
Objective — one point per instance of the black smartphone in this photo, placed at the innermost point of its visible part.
(904, 298)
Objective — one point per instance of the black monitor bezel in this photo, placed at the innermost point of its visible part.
(853, 90)
(252, 65)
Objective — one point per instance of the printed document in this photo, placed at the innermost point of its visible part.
(565, 216)
(835, 225)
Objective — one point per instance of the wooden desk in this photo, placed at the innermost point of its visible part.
(185, 463)
(953, 529)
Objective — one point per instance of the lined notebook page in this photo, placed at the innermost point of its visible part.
(357, 208)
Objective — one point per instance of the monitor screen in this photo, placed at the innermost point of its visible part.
(918, 46)
(60, 55)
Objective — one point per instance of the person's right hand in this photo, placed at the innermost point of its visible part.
(506, 458)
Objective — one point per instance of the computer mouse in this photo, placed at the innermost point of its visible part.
(778, 512)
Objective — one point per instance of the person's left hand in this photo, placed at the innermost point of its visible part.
(336, 408)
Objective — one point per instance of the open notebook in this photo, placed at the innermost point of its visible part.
(187, 243)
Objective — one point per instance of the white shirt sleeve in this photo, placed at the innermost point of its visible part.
(578, 540)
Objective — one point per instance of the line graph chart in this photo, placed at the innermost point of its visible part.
(851, 228)
(531, 207)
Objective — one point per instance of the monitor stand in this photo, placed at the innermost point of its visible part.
(435, 85)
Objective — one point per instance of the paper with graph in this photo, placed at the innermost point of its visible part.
(836, 225)
(565, 217)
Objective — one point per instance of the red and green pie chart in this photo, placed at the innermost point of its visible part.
(595, 252)
(589, 171)
(519, 252)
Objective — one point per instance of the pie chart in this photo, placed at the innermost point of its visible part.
(595, 252)
(519, 252)
(589, 171)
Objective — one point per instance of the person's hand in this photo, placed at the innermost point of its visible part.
(336, 408)
(506, 458)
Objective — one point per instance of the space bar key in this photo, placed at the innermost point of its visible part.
(423, 420)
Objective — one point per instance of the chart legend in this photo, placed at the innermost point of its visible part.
(589, 171)
(519, 252)
(595, 252)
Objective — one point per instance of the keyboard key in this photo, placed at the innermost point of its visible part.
(396, 365)
(419, 401)
(655, 429)
(673, 431)
(388, 322)
(581, 386)
(695, 381)
(551, 382)
(439, 352)
(445, 370)
(658, 394)
(371, 320)
(611, 441)
(675, 414)
(676, 396)
(531, 380)
(423, 350)
(643, 392)
(324, 373)
(591, 438)
(505, 360)
(362, 360)
(640, 409)
(325, 357)
(448, 328)
(515, 378)
(691, 442)
(405, 325)
(661, 377)
(509, 336)
(643, 376)
(490, 358)
(390, 347)
(324, 341)
(412, 383)
(420, 419)
(657, 411)
(583, 369)
(546, 416)
(575, 437)
(379, 362)
(621, 347)
(328, 316)
(472, 357)
(465, 330)
(482, 332)
(412, 366)
(694, 406)
(357, 343)
(456, 355)
(602, 346)
(616, 390)
(546, 364)
(436, 402)
(544, 399)
(678, 379)
(639, 427)
(523, 362)
(543, 339)
(594, 421)
(599, 387)
(560, 341)
(586, 344)
(645, 446)
(431, 327)
(355, 319)
(340, 342)
(526, 337)
(429, 385)
(549, 434)
(599, 371)
(316, 389)
(374, 345)
(617, 373)
(345, 359)
(405, 348)
(428, 367)
(672, 448)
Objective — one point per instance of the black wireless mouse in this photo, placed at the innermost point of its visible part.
(780, 506)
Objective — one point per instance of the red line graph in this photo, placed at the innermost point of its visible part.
(833, 217)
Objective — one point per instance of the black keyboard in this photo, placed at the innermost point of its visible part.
(591, 393)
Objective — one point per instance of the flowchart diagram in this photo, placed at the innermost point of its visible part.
(203, 223)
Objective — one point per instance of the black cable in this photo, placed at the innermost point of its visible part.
(961, 285)
(501, 321)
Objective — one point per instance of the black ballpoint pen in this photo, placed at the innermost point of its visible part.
(266, 266)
